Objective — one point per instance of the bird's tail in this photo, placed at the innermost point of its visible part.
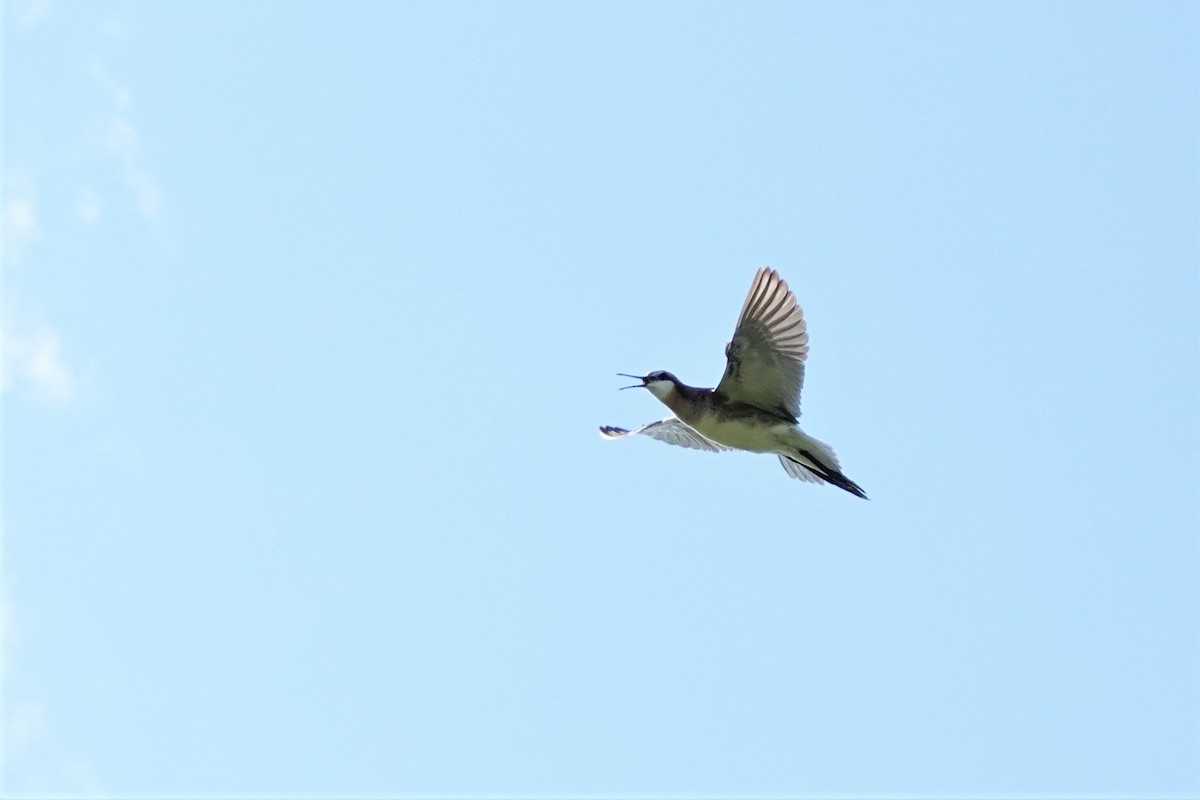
(815, 461)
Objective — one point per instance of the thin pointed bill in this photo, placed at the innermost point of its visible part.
(641, 385)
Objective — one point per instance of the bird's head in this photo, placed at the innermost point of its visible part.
(659, 383)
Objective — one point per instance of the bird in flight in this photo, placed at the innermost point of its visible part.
(756, 405)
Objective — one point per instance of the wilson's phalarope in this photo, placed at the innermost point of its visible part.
(756, 405)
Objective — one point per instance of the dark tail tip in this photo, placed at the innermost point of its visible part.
(842, 482)
(831, 475)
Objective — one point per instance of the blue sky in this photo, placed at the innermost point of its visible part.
(310, 314)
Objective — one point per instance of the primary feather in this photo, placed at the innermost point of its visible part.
(765, 359)
(669, 430)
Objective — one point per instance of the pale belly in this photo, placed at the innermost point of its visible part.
(742, 435)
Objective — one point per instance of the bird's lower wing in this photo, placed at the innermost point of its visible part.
(670, 430)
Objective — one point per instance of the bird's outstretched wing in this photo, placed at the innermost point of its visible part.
(670, 430)
(765, 359)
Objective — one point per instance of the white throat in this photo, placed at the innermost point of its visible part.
(660, 389)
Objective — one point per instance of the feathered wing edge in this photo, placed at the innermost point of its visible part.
(671, 430)
(771, 304)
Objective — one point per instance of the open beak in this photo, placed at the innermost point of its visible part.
(636, 377)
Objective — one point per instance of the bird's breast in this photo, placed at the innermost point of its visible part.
(754, 434)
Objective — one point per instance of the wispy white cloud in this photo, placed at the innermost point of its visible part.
(22, 229)
(88, 205)
(31, 12)
(31, 358)
(146, 193)
(31, 353)
(11, 634)
(35, 760)
(122, 142)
